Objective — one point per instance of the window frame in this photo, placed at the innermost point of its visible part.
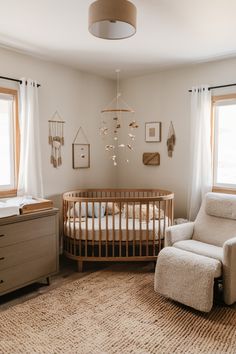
(16, 138)
(216, 99)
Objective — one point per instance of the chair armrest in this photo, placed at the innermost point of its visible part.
(178, 233)
(229, 271)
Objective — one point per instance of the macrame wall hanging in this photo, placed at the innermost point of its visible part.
(80, 150)
(171, 140)
(56, 138)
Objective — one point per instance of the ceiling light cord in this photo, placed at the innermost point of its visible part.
(118, 94)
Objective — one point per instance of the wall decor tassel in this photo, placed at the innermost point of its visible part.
(171, 140)
(56, 138)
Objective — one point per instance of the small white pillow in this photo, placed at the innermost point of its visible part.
(136, 212)
(109, 209)
(90, 210)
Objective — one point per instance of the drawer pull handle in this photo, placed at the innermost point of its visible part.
(2, 258)
(2, 235)
(1, 281)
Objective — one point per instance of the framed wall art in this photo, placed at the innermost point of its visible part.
(151, 158)
(153, 132)
(81, 155)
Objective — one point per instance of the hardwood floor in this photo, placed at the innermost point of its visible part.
(67, 273)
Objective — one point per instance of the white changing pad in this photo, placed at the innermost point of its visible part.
(11, 206)
(6, 210)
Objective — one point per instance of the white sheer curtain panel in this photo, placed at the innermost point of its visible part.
(30, 170)
(200, 149)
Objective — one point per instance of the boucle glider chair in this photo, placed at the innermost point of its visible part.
(197, 253)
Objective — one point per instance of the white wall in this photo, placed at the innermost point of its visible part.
(164, 97)
(78, 97)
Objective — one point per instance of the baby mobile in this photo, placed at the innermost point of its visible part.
(56, 138)
(112, 128)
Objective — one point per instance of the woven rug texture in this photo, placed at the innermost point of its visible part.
(114, 310)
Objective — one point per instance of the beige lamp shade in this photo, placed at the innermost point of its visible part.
(112, 19)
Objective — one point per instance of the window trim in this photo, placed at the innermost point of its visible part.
(14, 93)
(215, 100)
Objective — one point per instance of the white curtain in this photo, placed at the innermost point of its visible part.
(200, 149)
(30, 170)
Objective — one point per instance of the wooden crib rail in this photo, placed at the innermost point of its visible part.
(115, 194)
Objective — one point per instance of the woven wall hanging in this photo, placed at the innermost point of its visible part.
(56, 138)
(171, 140)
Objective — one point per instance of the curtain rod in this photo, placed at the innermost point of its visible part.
(216, 87)
(16, 80)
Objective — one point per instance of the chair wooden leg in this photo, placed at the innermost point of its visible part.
(48, 280)
(80, 266)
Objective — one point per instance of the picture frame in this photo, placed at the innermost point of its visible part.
(80, 155)
(153, 132)
(151, 158)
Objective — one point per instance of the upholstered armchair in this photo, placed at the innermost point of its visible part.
(213, 235)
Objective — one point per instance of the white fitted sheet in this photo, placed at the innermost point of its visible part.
(135, 230)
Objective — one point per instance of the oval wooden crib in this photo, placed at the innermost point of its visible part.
(115, 224)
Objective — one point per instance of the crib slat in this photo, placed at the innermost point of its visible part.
(120, 232)
(69, 228)
(113, 229)
(147, 227)
(164, 225)
(106, 231)
(153, 228)
(168, 212)
(64, 223)
(74, 230)
(93, 236)
(65, 210)
(134, 231)
(71, 231)
(140, 230)
(172, 211)
(80, 230)
(100, 231)
(159, 225)
(127, 231)
(86, 232)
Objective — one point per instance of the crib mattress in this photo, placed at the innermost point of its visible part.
(135, 230)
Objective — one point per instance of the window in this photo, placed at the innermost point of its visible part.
(224, 142)
(9, 141)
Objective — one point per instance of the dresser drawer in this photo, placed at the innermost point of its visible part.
(25, 251)
(26, 230)
(20, 275)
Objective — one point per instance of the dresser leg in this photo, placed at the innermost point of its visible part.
(48, 281)
(80, 266)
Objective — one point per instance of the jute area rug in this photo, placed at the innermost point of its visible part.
(114, 310)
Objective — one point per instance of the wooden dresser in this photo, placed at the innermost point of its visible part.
(29, 249)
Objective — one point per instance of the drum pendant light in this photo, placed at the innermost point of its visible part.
(112, 19)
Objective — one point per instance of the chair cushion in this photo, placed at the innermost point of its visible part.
(201, 248)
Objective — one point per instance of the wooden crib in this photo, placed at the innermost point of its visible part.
(115, 224)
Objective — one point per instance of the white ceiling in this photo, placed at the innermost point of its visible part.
(169, 33)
